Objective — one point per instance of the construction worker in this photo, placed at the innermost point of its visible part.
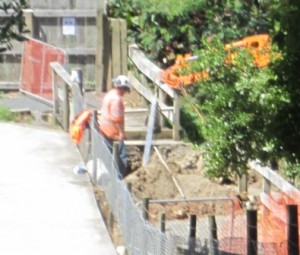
(111, 121)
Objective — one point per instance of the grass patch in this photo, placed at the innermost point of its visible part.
(6, 114)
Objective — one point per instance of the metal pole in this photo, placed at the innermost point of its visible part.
(293, 237)
(213, 248)
(252, 232)
(192, 234)
(146, 208)
(162, 222)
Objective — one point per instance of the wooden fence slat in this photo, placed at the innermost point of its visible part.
(123, 45)
(116, 49)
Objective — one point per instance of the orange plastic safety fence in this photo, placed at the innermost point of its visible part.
(273, 221)
(272, 226)
(36, 73)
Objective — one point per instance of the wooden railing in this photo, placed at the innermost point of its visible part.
(160, 91)
(67, 95)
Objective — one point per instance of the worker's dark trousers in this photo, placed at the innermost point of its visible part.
(123, 154)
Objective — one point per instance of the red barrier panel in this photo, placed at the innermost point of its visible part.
(35, 71)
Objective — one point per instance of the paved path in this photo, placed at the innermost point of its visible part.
(45, 208)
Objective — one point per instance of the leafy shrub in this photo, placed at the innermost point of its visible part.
(6, 114)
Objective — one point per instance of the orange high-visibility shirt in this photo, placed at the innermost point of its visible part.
(112, 113)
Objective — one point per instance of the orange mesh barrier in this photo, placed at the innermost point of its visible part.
(274, 220)
(272, 226)
(36, 73)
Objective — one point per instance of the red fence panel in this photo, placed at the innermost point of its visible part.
(36, 74)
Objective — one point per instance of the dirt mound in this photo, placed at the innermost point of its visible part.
(173, 172)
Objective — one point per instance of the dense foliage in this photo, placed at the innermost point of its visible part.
(13, 25)
(169, 27)
(234, 107)
(286, 123)
(241, 112)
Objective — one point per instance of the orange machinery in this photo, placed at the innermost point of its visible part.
(258, 45)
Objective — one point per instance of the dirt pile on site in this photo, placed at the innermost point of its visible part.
(175, 171)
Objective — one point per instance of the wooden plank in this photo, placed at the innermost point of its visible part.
(154, 142)
(60, 5)
(81, 51)
(148, 68)
(276, 180)
(78, 13)
(83, 4)
(64, 75)
(99, 51)
(9, 85)
(36, 4)
(107, 61)
(90, 35)
(123, 45)
(116, 49)
(10, 66)
(28, 14)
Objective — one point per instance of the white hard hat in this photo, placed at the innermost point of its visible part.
(122, 81)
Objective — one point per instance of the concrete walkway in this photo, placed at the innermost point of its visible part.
(44, 207)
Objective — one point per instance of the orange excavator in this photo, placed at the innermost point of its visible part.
(258, 45)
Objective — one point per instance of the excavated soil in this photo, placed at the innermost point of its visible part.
(174, 172)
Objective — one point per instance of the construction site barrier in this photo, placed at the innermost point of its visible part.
(215, 226)
(36, 77)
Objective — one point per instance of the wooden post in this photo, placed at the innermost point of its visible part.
(55, 94)
(116, 49)
(99, 46)
(124, 48)
(66, 108)
(292, 233)
(161, 98)
(107, 76)
(129, 186)
(162, 222)
(146, 208)
(251, 232)
(243, 187)
(213, 247)
(192, 234)
(29, 20)
(266, 185)
(176, 121)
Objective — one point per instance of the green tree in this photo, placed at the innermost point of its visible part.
(286, 123)
(165, 28)
(12, 25)
(232, 109)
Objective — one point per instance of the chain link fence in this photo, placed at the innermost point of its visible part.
(212, 226)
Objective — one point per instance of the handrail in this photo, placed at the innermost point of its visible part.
(148, 68)
(152, 72)
(58, 69)
(272, 177)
